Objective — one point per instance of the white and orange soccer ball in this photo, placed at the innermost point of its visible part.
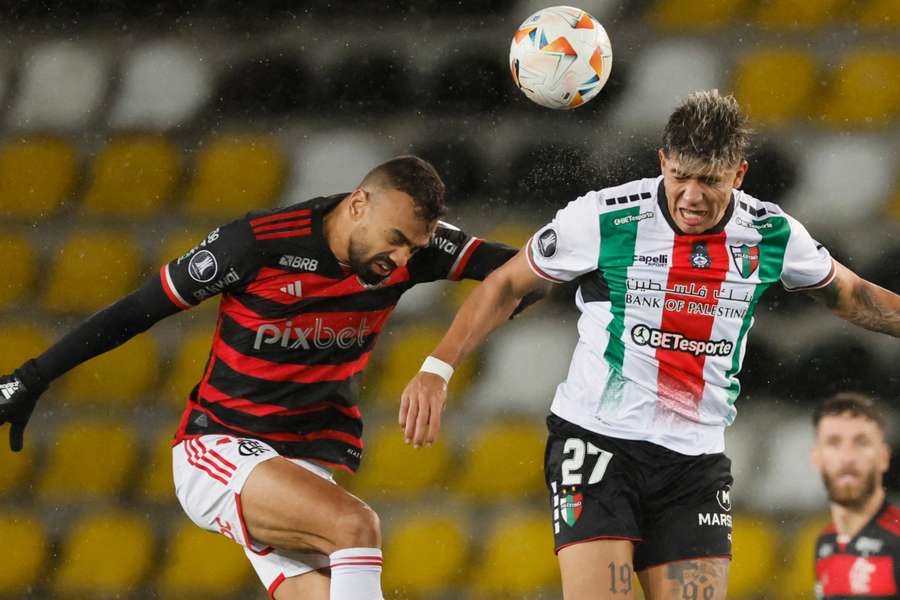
(560, 57)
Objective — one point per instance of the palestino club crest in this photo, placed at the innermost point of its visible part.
(746, 259)
(570, 504)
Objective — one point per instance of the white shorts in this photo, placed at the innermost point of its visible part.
(209, 473)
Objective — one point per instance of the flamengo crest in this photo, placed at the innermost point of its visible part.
(746, 259)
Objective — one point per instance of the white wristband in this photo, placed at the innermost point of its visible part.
(438, 367)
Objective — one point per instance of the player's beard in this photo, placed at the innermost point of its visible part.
(853, 496)
(362, 265)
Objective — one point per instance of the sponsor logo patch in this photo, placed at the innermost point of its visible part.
(570, 507)
(723, 497)
(301, 263)
(661, 260)
(251, 448)
(547, 243)
(633, 218)
(203, 267)
(667, 340)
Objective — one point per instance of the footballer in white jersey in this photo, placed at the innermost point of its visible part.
(669, 272)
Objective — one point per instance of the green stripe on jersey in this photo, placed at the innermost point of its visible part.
(772, 247)
(617, 240)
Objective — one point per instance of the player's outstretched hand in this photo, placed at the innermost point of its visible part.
(420, 408)
(17, 400)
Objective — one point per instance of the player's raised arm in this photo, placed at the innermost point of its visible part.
(861, 302)
(486, 308)
(219, 262)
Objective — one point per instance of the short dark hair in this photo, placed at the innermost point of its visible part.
(708, 129)
(852, 403)
(416, 177)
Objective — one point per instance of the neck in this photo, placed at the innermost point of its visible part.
(336, 228)
(849, 521)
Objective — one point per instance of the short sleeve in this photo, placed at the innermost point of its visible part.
(224, 260)
(454, 254)
(807, 263)
(569, 246)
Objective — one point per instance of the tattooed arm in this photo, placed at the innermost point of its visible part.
(861, 302)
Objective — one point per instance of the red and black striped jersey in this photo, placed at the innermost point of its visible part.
(295, 327)
(866, 566)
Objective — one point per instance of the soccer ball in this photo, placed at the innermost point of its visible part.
(560, 57)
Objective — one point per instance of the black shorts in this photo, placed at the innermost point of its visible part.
(673, 506)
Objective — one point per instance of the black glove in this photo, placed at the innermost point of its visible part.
(18, 395)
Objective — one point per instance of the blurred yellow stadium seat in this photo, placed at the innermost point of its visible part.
(893, 205)
(394, 468)
(504, 460)
(132, 177)
(117, 378)
(105, 556)
(880, 14)
(866, 90)
(187, 366)
(178, 242)
(17, 263)
(89, 460)
(199, 564)
(234, 175)
(800, 579)
(798, 14)
(776, 86)
(518, 559)
(36, 175)
(91, 271)
(20, 341)
(23, 553)
(16, 468)
(754, 551)
(689, 14)
(407, 574)
(156, 484)
(405, 350)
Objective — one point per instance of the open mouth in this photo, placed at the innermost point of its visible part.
(693, 217)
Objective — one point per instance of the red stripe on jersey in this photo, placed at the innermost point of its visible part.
(890, 520)
(272, 371)
(680, 381)
(280, 216)
(324, 434)
(463, 260)
(282, 225)
(537, 270)
(314, 285)
(848, 575)
(211, 394)
(170, 291)
(274, 585)
(284, 234)
(829, 530)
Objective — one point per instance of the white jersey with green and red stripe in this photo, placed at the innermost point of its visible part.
(665, 315)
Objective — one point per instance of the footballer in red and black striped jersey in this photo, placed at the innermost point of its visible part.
(858, 554)
(296, 327)
(866, 565)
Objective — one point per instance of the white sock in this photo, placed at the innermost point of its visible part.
(356, 574)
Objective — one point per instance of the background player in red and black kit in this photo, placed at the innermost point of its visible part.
(858, 555)
(306, 290)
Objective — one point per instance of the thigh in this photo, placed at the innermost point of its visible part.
(597, 570)
(315, 585)
(289, 507)
(700, 579)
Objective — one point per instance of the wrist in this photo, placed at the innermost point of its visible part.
(438, 367)
(31, 378)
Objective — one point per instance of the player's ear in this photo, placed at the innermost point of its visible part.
(741, 173)
(662, 160)
(884, 457)
(359, 203)
(815, 458)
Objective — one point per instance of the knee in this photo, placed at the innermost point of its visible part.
(357, 526)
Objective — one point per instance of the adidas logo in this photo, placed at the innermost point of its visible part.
(8, 389)
(293, 289)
